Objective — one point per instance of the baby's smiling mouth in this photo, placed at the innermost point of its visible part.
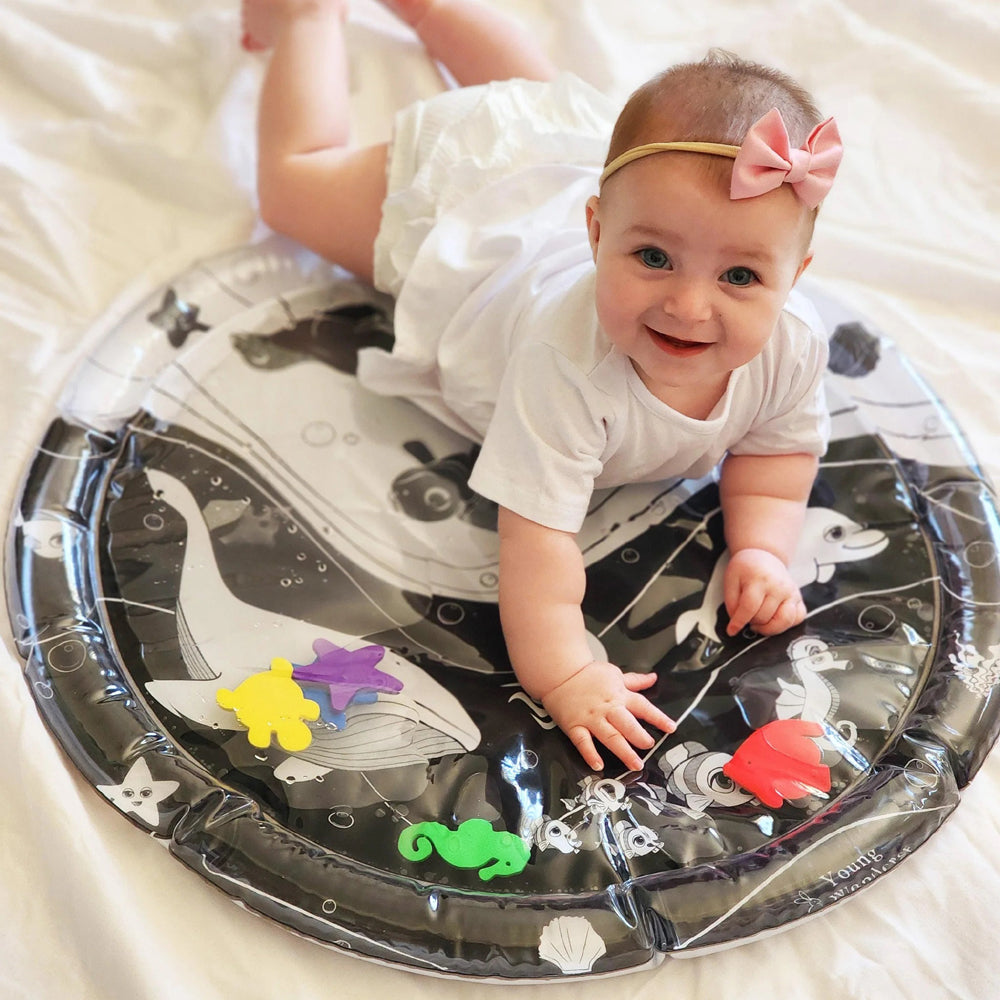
(675, 346)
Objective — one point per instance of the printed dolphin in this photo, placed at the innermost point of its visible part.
(828, 538)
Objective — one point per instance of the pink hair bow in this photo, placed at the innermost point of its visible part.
(765, 160)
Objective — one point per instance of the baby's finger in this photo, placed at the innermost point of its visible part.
(740, 616)
(581, 739)
(746, 606)
(621, 747)
(643, 708)
(638, 682)
(741, 589)
(625, 722)
(788, 614)
(768, 609)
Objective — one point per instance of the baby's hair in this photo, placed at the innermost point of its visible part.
(715, 100)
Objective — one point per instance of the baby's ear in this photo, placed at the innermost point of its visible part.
(593, 223)
(807, 260)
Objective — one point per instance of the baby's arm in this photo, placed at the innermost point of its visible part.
(542, 582)
(763, 506)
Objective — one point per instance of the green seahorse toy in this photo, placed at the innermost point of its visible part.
(475, 844)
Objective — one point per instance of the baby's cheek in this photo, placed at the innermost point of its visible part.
(762, 323)
(616, 300)
(606, 306)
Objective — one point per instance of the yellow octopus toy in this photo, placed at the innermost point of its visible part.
(269, 703)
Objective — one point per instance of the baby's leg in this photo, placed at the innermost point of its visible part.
(475, 41)
(311, 187)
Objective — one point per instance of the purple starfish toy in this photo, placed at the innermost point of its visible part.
(347, 672)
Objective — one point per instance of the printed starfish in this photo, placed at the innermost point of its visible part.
(139, 793)
(176, 318)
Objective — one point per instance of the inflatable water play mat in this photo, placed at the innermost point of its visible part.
(257, 608)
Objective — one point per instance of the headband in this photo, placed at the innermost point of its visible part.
(765, 161)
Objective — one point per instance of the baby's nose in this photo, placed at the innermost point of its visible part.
(689, 301)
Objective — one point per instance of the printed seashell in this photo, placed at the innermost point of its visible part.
(572, 944)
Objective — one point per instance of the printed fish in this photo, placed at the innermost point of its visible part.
(828, 539)
(780, 761)
(696, 776)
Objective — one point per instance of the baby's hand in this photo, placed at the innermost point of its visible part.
(761, 593)
(600, 701)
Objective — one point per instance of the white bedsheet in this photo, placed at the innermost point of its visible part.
(126, 152)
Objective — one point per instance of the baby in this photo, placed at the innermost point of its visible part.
(589, 328)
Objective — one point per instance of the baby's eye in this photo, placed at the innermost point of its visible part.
(652, 257)
(739, 276)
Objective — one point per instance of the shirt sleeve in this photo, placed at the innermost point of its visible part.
(543, 448)
(793, 417)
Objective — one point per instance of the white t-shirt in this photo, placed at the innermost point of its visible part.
(573, 415)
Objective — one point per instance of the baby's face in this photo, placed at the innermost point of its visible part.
(690, 284)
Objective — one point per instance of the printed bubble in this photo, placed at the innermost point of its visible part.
(876, 618)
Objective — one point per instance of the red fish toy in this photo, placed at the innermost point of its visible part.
(780, 761)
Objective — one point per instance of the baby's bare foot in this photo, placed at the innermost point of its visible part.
(263, 19)
(409, 11)
(260, 23)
